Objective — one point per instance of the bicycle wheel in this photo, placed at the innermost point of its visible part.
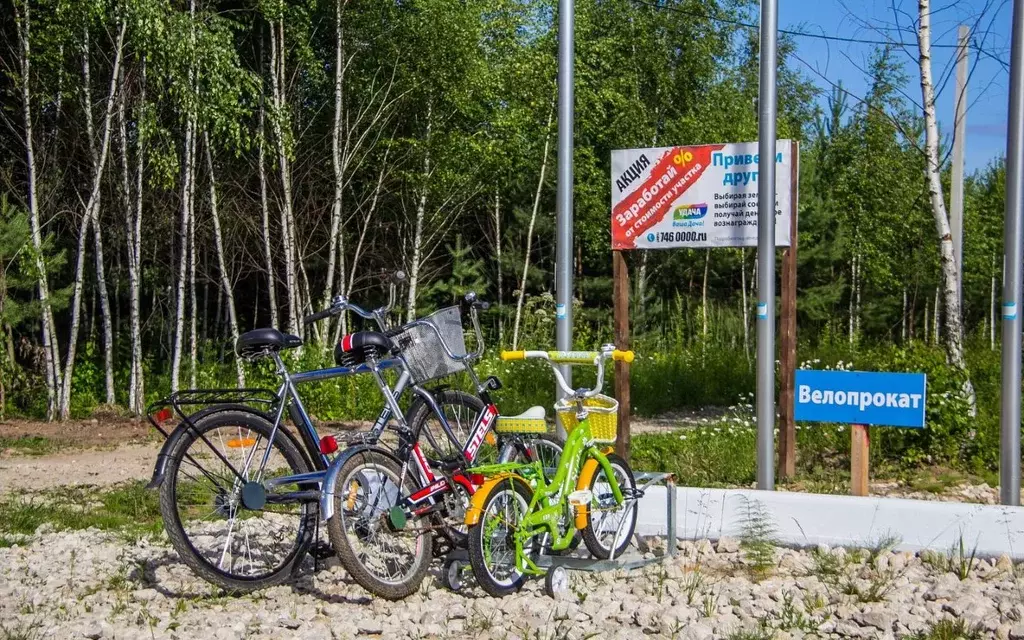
(460, 411)
(610, 526)
(492, 550)
(546, 448)
(387, 562)
(235, 548)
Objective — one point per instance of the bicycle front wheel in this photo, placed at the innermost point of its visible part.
(492, 548)
(385, 561)
(609, 525)
(235, 548)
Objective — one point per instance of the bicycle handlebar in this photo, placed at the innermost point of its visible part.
(568, 357)
(340, 304)
(595, 358)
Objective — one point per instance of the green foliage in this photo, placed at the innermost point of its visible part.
(757, 539)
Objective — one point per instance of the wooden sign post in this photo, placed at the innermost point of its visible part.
(860, 399)
(787, 328)
(620, 277)
(860, 443)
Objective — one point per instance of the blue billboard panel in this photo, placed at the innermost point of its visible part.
(860, 397)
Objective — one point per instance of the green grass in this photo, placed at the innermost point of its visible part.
(950, 630)
(127, 507)
(28, 445)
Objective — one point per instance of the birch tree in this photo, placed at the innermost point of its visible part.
(51, 348)
(954, 330)
(90, 215)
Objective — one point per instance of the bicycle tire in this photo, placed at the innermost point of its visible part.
(357, 503)
(620, 540)
(451, 517)
(480, 552)
(184, 458)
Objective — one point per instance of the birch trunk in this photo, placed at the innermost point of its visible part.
(935, 316)
(277, 77)
(992, 309)
(193, 337)
(853, 296)
(421, 213)
(51, 348)
(90, 216)
(529, 231)
(497, 251)
(218, 242)
(335, 241)
(903, 317)
(133, 236)
(186, 208)
(268, 254)
(954, 321)
(97, 230)
(927, 326)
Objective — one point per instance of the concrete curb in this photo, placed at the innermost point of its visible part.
(802, 520)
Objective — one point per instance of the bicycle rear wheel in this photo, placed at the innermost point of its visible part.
(225, 543)
(385, 561)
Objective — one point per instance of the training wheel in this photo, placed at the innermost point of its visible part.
(451, 575)
(556, 582)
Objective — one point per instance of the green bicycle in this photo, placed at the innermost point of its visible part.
(521, 512)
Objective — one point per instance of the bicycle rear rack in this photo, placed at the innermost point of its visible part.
(204, 398)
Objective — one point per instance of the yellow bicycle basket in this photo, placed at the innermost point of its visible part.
(602, 412)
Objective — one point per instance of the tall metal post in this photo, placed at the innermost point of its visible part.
(956, 189)
(563, 203)
(1009, 423)
(766, 249)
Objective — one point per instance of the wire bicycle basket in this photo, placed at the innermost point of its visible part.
(429, 343)
(602, 412)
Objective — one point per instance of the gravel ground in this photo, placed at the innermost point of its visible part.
(89, 584)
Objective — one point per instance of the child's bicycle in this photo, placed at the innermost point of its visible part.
(520, 512)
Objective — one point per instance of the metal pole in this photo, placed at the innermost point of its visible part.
(956, 190)
(563, 204)
(766, 250)
(1009, 423)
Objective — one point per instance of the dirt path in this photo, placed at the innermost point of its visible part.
(77, 466)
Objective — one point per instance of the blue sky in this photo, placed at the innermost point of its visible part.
(825, 61)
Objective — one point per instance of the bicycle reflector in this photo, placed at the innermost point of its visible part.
(328, 445)
(241, 443)
(163, 416)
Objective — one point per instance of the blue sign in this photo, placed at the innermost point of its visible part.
(860, 397)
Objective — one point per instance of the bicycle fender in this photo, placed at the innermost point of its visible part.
(590, 467)
(331, 477)
(476, 503)
(164, 456)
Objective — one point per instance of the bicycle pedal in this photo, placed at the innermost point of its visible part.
(321, 551)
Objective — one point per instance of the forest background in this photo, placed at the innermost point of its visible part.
(177, 173)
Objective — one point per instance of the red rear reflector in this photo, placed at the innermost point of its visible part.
(328, 445)
(163, 415)
(477, 478)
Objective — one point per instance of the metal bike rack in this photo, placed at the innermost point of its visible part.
(644, 480)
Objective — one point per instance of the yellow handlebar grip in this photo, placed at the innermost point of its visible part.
(513, 355)
(623, 356)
